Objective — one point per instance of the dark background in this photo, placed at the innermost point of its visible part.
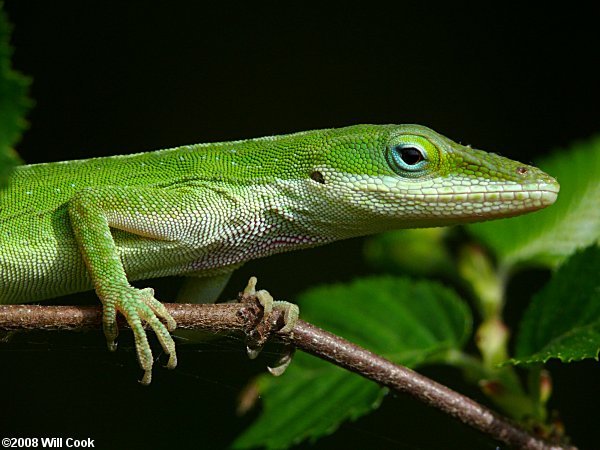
(115, 78)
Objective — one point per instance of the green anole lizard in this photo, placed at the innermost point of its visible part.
(203, 210)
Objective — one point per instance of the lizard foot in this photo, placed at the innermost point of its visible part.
(291, 313)
(139, 305)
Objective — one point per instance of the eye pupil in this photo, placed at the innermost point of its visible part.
(411, 155)
(408, 159)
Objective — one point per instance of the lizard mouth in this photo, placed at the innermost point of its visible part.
(486, 204)
(549, 194)
(461, 200)
(542, 195)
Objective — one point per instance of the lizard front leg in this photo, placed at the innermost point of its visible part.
(144, 212)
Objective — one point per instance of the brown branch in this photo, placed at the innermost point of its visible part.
(246, 317)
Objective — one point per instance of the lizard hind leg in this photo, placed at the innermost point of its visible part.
(203, 289)
(93, 213)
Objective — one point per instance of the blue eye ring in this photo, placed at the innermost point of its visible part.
(407, 157)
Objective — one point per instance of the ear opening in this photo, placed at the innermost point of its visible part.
(317, 176)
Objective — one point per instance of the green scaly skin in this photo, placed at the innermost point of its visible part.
(203, 210)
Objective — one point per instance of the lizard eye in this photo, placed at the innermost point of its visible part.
(407, 157)
(411, 155)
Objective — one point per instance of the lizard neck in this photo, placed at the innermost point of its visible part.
(264, 219)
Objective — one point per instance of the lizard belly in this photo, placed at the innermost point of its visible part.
(145, 258)
(39, 259)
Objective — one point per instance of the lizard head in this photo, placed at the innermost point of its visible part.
(411, 176)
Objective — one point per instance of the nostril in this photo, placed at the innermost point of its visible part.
(522, 170)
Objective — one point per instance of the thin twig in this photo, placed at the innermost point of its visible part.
(345, 354)
(230, 317)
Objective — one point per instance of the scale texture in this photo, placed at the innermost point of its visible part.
(203, 210)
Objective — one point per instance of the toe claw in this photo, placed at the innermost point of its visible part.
(147, 378)
(172, 363)
(253, 352)
(282, 363)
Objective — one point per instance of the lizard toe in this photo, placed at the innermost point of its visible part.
(158, 309)
(162, 333)
(109, 325)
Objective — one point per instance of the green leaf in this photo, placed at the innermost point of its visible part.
(406, 321)
(548, 237)
(14, 102)
(310, 400)
(563, 320)
(419, 251)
